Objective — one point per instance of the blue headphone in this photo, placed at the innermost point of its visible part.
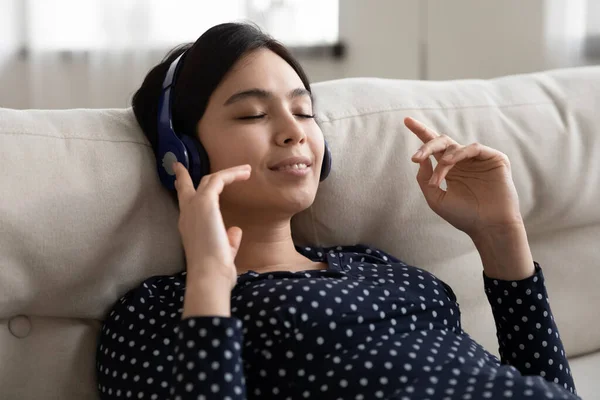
(185, 148)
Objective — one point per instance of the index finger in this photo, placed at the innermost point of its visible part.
(183, 182)
(224, 177)
(422, 131)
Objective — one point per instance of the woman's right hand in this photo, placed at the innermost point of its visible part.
(210, 248)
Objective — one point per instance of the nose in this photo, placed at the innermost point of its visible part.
(290, 131)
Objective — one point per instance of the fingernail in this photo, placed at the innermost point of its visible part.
(448, 157)
(418, 154)
(432, 181)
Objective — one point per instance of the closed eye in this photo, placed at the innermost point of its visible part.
(249, 117)
(252, 117)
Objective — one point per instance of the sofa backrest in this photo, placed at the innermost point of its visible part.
(83, 217)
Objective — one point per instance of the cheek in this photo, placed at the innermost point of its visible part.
(227, 145)
(318, 146)
(237, 150)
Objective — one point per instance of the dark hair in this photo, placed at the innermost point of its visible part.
(205, 65)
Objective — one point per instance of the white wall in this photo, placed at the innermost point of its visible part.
(453, 39)
(14, 87)
(382, 39)
(439, 39)
(483, 39)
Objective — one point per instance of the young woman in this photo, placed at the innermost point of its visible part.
(256, 316)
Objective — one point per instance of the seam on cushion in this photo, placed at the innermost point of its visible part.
(432, 108)
(567, 99)
(545, 233)
(73, 138)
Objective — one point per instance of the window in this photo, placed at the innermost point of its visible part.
(80, 25)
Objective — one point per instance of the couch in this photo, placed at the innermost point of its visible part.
(83, 217)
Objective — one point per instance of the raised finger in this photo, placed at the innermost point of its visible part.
(214, 183)
(422, 131)
(435, 147)
(477, 151)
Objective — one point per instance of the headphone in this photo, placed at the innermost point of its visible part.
(185, 148)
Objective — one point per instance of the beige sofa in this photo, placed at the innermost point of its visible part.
(83, 218)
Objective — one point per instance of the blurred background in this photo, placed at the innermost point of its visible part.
(95, 53)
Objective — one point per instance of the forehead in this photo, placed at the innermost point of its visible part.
(261, 69)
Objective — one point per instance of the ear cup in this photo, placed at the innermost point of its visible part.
(170, 149)
(326, 166)
(199, 164)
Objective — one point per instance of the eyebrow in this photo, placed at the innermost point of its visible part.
(265, 94)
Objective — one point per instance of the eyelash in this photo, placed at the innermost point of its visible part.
(250, 117)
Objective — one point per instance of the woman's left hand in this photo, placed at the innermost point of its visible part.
(480, 195)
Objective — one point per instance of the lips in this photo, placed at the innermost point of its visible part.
(292, 161)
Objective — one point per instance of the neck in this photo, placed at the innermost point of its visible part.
(266, 244)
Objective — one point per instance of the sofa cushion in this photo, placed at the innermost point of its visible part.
(82, 220)
(83, 217)
(586, 370)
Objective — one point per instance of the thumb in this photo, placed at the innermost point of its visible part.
(235, 238)
(433, 194)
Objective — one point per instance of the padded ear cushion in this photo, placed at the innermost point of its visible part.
(199, 164)
(326, 166)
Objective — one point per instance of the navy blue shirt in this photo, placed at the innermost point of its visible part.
(367, 327)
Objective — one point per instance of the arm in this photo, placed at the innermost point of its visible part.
(208, 346)
(143, 349)
(208, 359)
(514, 284)
(526, 330)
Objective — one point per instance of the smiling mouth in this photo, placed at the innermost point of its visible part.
(299, 166)
(293, 170)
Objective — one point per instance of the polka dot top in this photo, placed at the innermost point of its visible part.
(367, 327)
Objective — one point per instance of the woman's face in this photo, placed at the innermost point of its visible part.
(260, 115)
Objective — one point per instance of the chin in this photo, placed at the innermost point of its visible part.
(295, 205)
(266, 197)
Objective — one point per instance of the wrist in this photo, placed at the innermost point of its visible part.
(505, 253)
(207, 297)
(206, 273)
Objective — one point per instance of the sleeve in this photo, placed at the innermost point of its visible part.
(145, 350)
(208, 359)
(527, 333)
